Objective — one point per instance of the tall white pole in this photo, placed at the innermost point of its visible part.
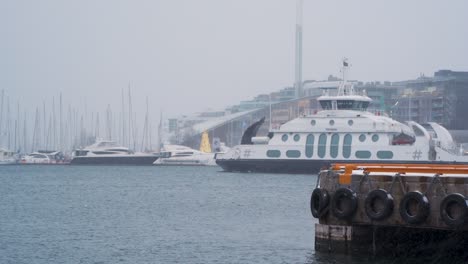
(298, 51)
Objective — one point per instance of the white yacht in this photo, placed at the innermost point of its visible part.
(8, 157)
(182, 155)
(343, 131)
(110, 153)
(44, 157)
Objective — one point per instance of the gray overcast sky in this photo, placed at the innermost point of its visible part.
(191, 55)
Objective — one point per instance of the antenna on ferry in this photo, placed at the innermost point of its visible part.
(345, 66)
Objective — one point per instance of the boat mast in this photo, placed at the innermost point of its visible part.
(8, 125)
(130, 119)
(159, 138)
(25, 135)
(60, 146)
(144, 141)
(1, 117)
(109, 123)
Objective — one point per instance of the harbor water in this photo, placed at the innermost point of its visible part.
(100, 214)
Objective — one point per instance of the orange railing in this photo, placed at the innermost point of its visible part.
(345, 178)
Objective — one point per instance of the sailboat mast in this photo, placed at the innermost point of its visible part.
(44, 122)
(1, 118)
(123, 136)
(8, 125)
(131, 128)
(60, 125)
(25, 135)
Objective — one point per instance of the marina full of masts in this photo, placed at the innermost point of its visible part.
(54, 126)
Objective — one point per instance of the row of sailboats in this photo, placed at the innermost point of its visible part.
(59, 136)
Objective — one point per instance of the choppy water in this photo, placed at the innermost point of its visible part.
(80, 214)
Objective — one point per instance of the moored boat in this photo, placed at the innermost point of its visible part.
(182, 155)
(110, 153)
(44, 157)
(8, 157)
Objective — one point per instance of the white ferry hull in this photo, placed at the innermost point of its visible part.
(301, 166)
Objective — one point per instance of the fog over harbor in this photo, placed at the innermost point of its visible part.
(189, 56)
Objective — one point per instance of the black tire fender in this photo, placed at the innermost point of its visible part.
(421, 211)
(344, 203)
(384, 199)
(458, 200)
(319, 201)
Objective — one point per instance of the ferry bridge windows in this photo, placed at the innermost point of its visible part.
(326, 104)
(273, 153)
(347, 146)
(309, 148)
(284, 137)
(363, 154)
(362, 137)
(345, 104)
(384, 154)
(297, 137)
(293, 153)
(322, 144)
(375, 138)
(334, 145)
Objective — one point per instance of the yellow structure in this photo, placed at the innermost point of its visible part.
(205, 145)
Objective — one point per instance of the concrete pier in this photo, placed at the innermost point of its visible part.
(386, 209)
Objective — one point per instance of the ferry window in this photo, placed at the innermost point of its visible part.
(347, 146)
(312, 122)
(293, 153)
(322, 145)
(326, 104)
(332, 122)
(350, 122)
(375, 137)
(345, 104)
(297, 137)
(363, 154)
(383, 154)
(362, 137)
(309, 149)
(335, 139)
(273, 153)
(284, 137)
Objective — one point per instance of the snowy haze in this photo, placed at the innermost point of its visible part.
(189, 56)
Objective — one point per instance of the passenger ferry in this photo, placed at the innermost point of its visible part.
(343, 131)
